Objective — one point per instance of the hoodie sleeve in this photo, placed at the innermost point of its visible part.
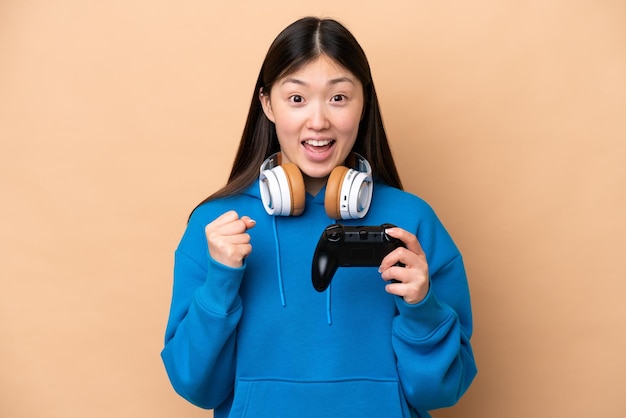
(199, 351)
(431, 339)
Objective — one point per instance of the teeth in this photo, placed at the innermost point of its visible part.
(319, 143)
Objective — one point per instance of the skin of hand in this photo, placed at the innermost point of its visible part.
(412, 278)
(228, 241)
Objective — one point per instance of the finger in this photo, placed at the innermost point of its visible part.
(223, 219)
(400, 255)
(409, 239)
(411, 292)
(236, 239)
(393, 271)
(245, 250)
(395, 288)
(249, 222)
(229, 223)
(238, 226)
(230, 249)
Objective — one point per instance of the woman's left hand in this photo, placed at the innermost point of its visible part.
(411, 280)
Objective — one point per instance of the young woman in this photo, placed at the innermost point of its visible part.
(248, 335)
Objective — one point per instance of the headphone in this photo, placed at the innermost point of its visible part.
(348, 190)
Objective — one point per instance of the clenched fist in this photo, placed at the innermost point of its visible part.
(228, 241)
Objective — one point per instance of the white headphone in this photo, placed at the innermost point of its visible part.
(348, 190)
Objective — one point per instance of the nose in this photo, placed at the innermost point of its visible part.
(318, 119)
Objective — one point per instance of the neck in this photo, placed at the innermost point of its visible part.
(314, 185)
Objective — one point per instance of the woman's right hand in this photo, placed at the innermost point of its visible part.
(228, 241)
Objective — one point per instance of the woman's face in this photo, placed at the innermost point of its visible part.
(316, 111)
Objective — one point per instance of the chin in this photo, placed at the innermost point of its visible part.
(320, 170)
(316, 175)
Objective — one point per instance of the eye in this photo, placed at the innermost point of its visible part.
(338, 98)
(296, 98)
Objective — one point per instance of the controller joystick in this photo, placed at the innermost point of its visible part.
(349, 246)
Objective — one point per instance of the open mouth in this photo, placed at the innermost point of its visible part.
(318, 145)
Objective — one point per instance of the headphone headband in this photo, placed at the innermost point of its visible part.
(359, 163)
(270, 162)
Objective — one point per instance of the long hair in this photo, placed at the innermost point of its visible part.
(298, 44)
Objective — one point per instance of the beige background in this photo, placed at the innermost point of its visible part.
(117, 117)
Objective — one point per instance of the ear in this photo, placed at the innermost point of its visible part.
(264, 98)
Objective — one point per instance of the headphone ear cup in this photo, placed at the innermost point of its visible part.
(356, 194)
(296, 187)
(271, 190)
(348, 193)
(332, 199)
(282, 190)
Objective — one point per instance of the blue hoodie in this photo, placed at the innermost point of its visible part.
(259, 341)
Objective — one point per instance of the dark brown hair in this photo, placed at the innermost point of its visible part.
(298, 44)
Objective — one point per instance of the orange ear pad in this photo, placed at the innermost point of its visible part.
(296, 187)
(332, 199)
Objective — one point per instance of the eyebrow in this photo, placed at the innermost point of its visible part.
(330, 82)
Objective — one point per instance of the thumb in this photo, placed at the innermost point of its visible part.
(248, 221)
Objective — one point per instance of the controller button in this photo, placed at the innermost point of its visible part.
(334, 233)
(334, 237)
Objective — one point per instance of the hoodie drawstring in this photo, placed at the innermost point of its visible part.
(279, 271)
(329, 316)
(329, 313)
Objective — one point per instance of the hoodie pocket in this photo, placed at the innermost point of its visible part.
(346, 398)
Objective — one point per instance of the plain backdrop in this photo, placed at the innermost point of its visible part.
(117, 117)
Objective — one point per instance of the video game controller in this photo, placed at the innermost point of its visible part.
(349, 246)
